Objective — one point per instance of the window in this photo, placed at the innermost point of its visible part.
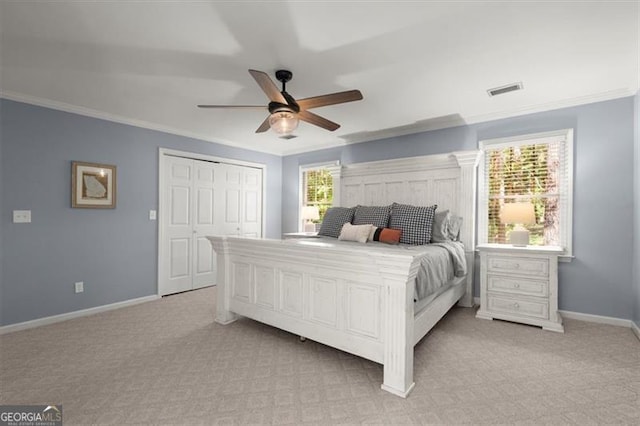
(320, 187)
(533, 168)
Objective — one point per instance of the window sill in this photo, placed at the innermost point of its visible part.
(564, 258)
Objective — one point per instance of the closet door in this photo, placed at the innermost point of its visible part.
(203, 198)
(204, 217)
(230, 222)
(241, 195)
(177, 223)
(252, 203)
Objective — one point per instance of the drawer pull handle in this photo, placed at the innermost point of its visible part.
(515, 305)
(516, 266)
(516, 285)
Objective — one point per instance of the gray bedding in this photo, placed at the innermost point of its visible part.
(443, 262)
(439, 265)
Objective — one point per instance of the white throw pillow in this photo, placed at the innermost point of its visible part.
(359, 233)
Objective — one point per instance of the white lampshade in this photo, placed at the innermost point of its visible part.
(310, 213)
(283, 122)
(520, 213)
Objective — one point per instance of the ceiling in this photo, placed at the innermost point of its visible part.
(419, 65)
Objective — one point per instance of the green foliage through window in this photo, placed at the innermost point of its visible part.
(318, 190)
(525, 173)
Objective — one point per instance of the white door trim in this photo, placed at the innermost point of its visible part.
(197, 156)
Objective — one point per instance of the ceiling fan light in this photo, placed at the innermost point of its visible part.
(283, 122)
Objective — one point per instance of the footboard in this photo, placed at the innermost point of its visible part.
(359, 302)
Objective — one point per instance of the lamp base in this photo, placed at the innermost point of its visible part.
(519, 238)
(309, 227)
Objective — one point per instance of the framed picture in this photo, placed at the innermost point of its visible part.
(93, 186)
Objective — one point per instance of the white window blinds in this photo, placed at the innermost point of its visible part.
(320, 186)
(536, 169)
(318, 189)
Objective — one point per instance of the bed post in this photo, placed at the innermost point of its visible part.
(223, 289)
(468, 162)
(399, 278)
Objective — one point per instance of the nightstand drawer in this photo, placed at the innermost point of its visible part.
(518, 285)
(518, 265)
(536, 309)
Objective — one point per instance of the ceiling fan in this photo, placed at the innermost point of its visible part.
(285, 112)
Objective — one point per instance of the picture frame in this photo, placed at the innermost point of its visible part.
(93, 185)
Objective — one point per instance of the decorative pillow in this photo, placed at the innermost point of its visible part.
(455, 223)
(440, 229)
(414, 221)
(376, 215)
(333, 220)
(359, 233)
(385, 235)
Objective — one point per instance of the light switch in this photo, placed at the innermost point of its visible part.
(22, 216)
(152, 215)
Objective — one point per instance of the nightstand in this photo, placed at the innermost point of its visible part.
(520, 284)
(300, 235)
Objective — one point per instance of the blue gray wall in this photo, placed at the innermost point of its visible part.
(636, 208)
(114, 251)
(599, 280)
(1, 214)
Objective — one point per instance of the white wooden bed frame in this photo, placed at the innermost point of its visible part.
(357, 301)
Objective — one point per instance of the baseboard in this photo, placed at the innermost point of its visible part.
(636, 329)
(619, 322)
(75, 314)
(596, 318)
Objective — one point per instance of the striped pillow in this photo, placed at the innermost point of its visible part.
(385, 235)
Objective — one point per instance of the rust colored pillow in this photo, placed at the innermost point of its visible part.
(386, 235)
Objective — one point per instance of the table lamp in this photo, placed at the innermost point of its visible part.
(518, 214)
(310, 213)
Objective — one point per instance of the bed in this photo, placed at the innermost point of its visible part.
(356, 298)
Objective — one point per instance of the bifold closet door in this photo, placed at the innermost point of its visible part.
(241, 195)
(204, 218)
(203, 198)
(188, 216)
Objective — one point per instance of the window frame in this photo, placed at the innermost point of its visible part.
(334, 167)
(566, 202)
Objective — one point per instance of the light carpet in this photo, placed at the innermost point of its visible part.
(167, 362)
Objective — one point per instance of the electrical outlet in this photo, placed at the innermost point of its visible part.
(79, 287)
(22, 216)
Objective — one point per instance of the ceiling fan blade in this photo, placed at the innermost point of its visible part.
(332, 99)
(315, 119)
(268, 86)
(234, 106)
(264, 126)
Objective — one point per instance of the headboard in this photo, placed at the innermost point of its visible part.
(448, 180)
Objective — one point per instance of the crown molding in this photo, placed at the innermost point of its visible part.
(93, 113)
(550, 106)
(340, 142)
(443, 123)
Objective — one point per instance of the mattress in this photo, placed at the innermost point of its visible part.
(440, 263)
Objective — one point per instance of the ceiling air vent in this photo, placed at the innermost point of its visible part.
(504, 89)
(287, 137)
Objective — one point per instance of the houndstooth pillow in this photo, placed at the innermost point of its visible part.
(333, 220)
(414, 221)
(377, 216)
